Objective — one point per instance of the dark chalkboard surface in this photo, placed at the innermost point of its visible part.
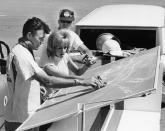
(126, 78)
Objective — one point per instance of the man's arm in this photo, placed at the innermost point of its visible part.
(50, 70)
(84, 49)
(55, 82)
(76, 69)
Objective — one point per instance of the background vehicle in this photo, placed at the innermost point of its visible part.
(136, 26)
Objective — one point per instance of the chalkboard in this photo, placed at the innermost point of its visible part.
(126, 78)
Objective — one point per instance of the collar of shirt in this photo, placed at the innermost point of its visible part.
(25, 43)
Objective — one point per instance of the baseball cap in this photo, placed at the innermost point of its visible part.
(66, 15)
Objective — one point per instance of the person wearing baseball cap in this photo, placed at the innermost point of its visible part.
(66, 18)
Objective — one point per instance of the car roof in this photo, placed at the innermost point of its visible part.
(125, 15)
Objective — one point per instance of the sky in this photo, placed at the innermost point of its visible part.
(13, 13)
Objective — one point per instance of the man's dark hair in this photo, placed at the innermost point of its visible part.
(46, 28)
(34, 24)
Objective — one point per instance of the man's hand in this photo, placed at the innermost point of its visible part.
(95, 82)
(100, 83)
(89, 60)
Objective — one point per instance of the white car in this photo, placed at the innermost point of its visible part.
(136, 26)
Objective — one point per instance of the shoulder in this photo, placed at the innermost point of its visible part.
(21, 53)
(70, 32)
(24, 59)
(25, 62)
(73, 33)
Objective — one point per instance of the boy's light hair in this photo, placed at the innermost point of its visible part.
(61, 37)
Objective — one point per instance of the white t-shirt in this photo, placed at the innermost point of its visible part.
(24, 93)
(59, 64)
(75, 40)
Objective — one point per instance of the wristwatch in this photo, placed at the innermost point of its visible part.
(77, 82)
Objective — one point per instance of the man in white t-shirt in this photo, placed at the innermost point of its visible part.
(66, 18)
(22, 70)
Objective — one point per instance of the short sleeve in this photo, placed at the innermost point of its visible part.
(76, 41)
(27, 67)
(48, 65)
